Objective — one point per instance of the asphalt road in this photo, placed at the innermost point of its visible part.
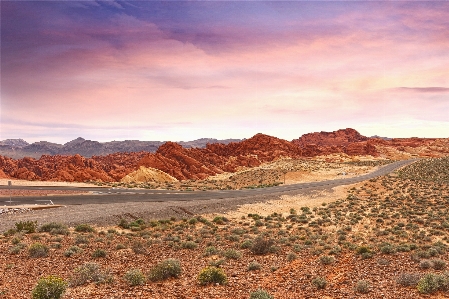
(119, 195)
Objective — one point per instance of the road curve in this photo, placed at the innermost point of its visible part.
(118, 195)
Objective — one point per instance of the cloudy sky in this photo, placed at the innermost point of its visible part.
(116, 70)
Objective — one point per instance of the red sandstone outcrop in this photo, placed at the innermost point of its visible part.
(199, 163)
(347, 141)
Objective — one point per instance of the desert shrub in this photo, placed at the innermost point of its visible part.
(252, 266)
(123, 223)
(120, 246)
(37, 250)
(425, 264)
(408, 279)
(99, 253)
(211, 250)
(26, 226)
(165, 269)
(319, 282)
(89, 272)
(81, 240)
(260, 294)
(189, 245)
(261, 246)
(216, 263)
(134, 277)
(327, 259)
(438, 264)
(17, 249)
(84, 228)
(362, 286)
(363, 249)
(232, 254)
(212, 275)
(387, 249)
(431, 283)
(49, 287)
(54, 228)
(139, 247)
(246, 244)
(291, 256)
(72, 250)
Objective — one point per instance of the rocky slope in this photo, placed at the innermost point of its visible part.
(19, 148)
(199, 163)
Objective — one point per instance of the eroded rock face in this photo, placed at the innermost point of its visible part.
(199, 163)
(347, 141)
(146, 175)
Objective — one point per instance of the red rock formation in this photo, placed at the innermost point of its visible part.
(347, 141)
(199, 163)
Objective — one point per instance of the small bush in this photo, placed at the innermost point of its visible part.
(319, 282)
(327, 259)
(260, 294)
(28, 227)
(425, 264)
(84, 228)
(212, 275)
(54, 228)
(89, 272)
(431, 283)
(408, 279)
(246, 244)
(72, 250)
(362, 286)
(232, 254)
(37, 250)
(189, 245)
(99, 253)
(211, 250)
(135, 277)
(261, 246)
(438, 264)
(139, 247)
(291, 256)
(50, 287)
(254, 266)
(165, 269)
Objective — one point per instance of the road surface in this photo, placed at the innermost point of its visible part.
(119, 195)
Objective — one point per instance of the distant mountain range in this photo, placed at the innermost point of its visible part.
(19, 148)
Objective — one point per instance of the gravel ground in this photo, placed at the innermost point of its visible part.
(109, 214)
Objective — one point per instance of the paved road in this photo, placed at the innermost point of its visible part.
(117, 195)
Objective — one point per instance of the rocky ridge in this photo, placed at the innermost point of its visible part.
(199, 163)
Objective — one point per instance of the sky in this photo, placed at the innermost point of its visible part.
(182, 70)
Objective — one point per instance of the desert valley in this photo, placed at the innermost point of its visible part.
(386, 237)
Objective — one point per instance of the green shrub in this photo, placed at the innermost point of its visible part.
(54, 228)
(50, 287)
(254, 266)
(232, 254)
(327, 259)
(84, 228)
(37, 250)
(211, 250)
(438, 264)
(319, 282)
(165, 269)
(99, 253)
(261, 246)
(189, 245)
(362, 286)
(72, 250)
(408, 279)
(135, 277)
(89, 272)
(26, 226)
(246, 244)
(212, 275)
(291, 256)
(260, 294)
(431, 283)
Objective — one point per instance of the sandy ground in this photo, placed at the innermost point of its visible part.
(286, 202)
